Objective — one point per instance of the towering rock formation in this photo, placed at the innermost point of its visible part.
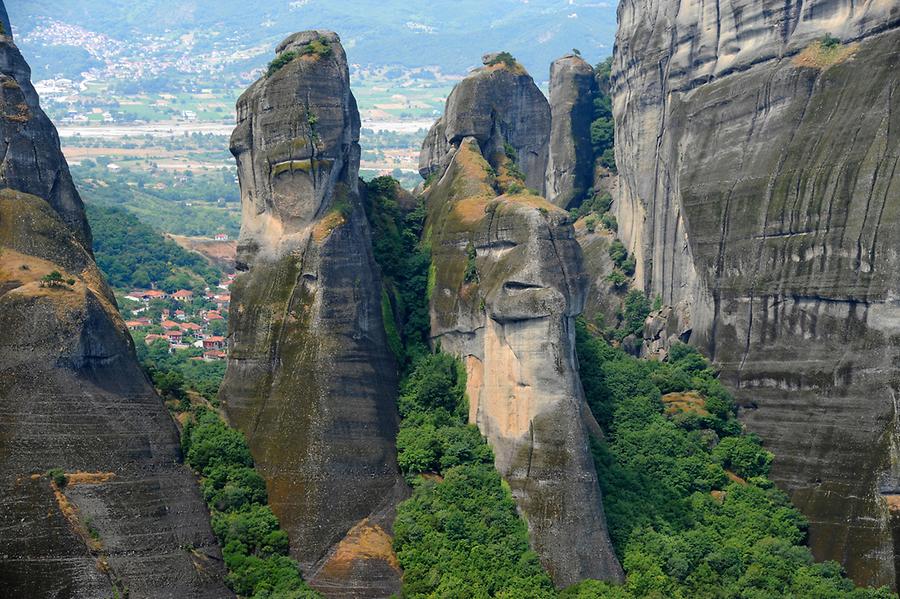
(73, 397)
(500, 106)
(760, 190)
(310, 378)
(570, 170)
(508, 282)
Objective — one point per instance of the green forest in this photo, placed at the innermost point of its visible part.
(133, 255)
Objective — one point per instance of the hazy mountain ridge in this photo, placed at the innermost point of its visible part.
(434, 34)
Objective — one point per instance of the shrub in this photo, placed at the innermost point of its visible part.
(609, 221)
(318, 47)
(743, 455)
(617, 252)
(505, 58)
(54, 279)
(829, 41)
(58, 476)
(471, 275)
(214, 444)
(514, 188)
(636, 310)
(280, 61)
(404, 262)
(617, 279)
(602, 135)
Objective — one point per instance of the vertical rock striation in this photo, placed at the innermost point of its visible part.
(73, 397)
(508, 282)
(500, 106)
(310, 378)
(570, 168)
(760, 191)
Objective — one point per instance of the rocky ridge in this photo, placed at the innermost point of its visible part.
(500, 106)
(757, 152)
(508, 282)
(310, 379)
(73, 398)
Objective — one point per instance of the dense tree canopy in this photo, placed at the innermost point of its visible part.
(253, 545)
(690, 509)
(133, 255)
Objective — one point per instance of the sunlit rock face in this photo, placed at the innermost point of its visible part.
(500, 106)
(760, 194)
(310, 378)
(508, 282)
(73, 397)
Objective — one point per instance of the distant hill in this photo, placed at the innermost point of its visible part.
(132, 254)
(450, 34)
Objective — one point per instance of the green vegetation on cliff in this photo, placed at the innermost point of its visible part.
(690, 509)
(404, 259)
(132, 254)
(254, 547)
(602, 127)
(459, 534)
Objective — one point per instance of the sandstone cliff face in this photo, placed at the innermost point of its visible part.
(73, 397)
(508, 282)
(760, 192)
(310, 378)
(570, 168)
(497, 105)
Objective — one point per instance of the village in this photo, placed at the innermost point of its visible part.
(183, 320)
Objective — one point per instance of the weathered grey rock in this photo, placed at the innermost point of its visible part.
(497, 105)
(73, 397)
(570, 169)
(663, 328)
(759, 187)
(602, 301)
(310, 378)
(30, 158)
(513, 327)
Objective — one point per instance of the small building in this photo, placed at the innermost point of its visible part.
(221, 237)
(183, 295)
(212, 315)
(170, 324)
(180, 315)
(214, 342)
(214, 354)
(140, 295)
(149, 339)
(134, 325)
(190, 328)
(174, 336)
